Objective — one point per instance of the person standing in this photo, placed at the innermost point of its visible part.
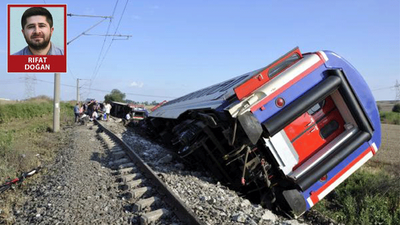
(90, 109)
(77, 112)
(108, 107)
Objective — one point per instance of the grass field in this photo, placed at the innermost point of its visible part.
(25, 131)
(388, 156)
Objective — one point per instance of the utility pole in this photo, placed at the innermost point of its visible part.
(77, 90)
(56, 106)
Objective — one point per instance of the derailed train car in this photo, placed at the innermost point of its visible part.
(284, 135)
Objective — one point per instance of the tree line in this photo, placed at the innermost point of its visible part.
(117, 96)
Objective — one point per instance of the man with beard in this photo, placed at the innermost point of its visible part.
(37, 28)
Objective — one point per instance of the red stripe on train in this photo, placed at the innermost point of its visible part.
(314, 196)
(286, 86)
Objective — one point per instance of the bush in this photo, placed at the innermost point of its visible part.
(390, 117)
(396, 108)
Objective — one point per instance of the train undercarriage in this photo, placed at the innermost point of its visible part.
(220, 145)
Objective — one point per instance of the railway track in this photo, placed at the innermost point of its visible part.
(153, 201)
(200, 198)
(93, 180)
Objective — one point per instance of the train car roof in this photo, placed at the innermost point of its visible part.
(217, 95)
(119, 103)
(207, 98)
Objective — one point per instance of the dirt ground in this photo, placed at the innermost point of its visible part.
(388, 155)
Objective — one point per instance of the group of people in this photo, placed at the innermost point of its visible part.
(92, 110)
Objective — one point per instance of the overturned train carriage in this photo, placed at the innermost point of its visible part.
(284, 135)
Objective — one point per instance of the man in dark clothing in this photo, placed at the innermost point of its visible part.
(90, 108)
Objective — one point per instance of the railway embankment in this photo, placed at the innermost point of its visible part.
(76, 185)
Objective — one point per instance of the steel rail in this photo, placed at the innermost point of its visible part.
(179, 208)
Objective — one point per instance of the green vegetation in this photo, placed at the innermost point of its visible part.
(26, 141)
(24, 133)
(371, 195)
(115, 95)
(390, 117)
(364, 198)
(26, 110)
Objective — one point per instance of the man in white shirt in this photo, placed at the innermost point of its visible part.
(108, 107)
(127, 119)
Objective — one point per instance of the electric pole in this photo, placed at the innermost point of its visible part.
(56, 106)
(77, 89)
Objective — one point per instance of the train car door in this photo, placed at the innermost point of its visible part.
(314, 129)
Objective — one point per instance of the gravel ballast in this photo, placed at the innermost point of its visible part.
(79, 187)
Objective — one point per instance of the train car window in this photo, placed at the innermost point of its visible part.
(283, 65)
(316, 107)
(239, 79)
(328, 129)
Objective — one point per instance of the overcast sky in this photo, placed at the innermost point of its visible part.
(179, 46)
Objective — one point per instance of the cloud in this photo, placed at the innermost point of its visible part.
(136, 84)
(135, 17)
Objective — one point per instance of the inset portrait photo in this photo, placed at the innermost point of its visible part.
(37, 38)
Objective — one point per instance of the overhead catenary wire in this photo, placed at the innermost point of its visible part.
(71, 73)
(69, 42)
(105, 38)
(109, 35)
(9, 80)
(109, 46)
(70, 14)
(97, 67)
(99, 63)
(105, 91)
(383, 88)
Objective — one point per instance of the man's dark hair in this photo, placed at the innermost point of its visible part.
(37, 11)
